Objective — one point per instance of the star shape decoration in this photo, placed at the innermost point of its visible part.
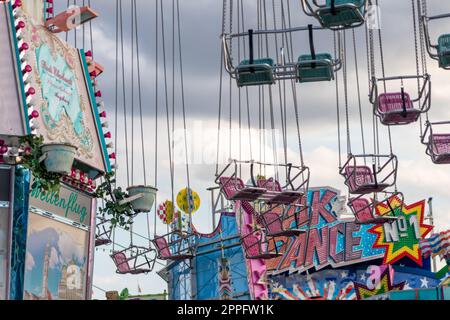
(406, 246)
(423, 282)
(363, 277)
(344, 274)
(384, 286)
(407, 286)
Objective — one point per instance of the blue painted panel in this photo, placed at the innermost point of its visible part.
(19, 233)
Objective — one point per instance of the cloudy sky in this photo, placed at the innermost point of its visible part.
(201, 23)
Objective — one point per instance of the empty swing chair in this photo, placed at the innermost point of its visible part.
(268, 191)
(317, 67)
(134, 260)
(365, 210)
(103, 232)
(441, 50)
(438, 144)
(175, 246)
(249, 72)
(362, 179)
(399, 108)
(258, 246)
(337, 14)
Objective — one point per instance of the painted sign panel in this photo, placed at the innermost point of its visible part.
(11, 123)
(35, 9)
(63, 96)
(73, 205)
(330, 240)
(401, 238)
(56, 260)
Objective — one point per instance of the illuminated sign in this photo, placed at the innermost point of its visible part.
(329, 242)
(401, 238)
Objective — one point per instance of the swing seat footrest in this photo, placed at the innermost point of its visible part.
(286, 233)
(369, 188)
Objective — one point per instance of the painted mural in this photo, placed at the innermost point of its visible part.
(56, 260)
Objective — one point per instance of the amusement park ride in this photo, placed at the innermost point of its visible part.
(276, 237)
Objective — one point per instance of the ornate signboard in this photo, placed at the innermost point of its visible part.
(64, 96)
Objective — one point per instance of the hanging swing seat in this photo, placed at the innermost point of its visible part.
(443, 50)
(364, 210)
(276, 195)
(440, 148)
(273, 225)
(361, 179)
(258, 72)
(342, 13)
(235, 190)
(438, 143)
(134, 260)
(397, 108)
(103, 232)
(176, 250)
(313, 70)
(256, 248)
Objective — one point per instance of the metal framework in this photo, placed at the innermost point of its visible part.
(103, 232)
(399, 108)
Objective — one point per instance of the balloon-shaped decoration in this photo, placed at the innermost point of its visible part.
(188, 200)
(166, 212)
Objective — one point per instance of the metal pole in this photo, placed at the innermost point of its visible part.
(431, 222)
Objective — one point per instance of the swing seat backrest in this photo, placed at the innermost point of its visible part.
(440, 144)
(393, 102)
(252, 245)
(231, 186)
(358, 176)
(120, 259)
(270, 184)
(362, 209)
(163, 247)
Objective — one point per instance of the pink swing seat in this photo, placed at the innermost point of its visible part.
(164, 253)
(236, 190)
(123, 266)
(363, 211)
(360, 180)
(440, 146)
(392, 110)
(276, 195)
(254, 248)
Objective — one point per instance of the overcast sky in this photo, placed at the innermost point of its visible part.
(201, 23)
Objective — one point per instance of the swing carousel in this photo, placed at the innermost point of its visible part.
(275, 235)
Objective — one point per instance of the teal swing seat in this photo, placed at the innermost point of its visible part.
(443, 49)
(318, 69)
(347, 13)
(260, 72)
